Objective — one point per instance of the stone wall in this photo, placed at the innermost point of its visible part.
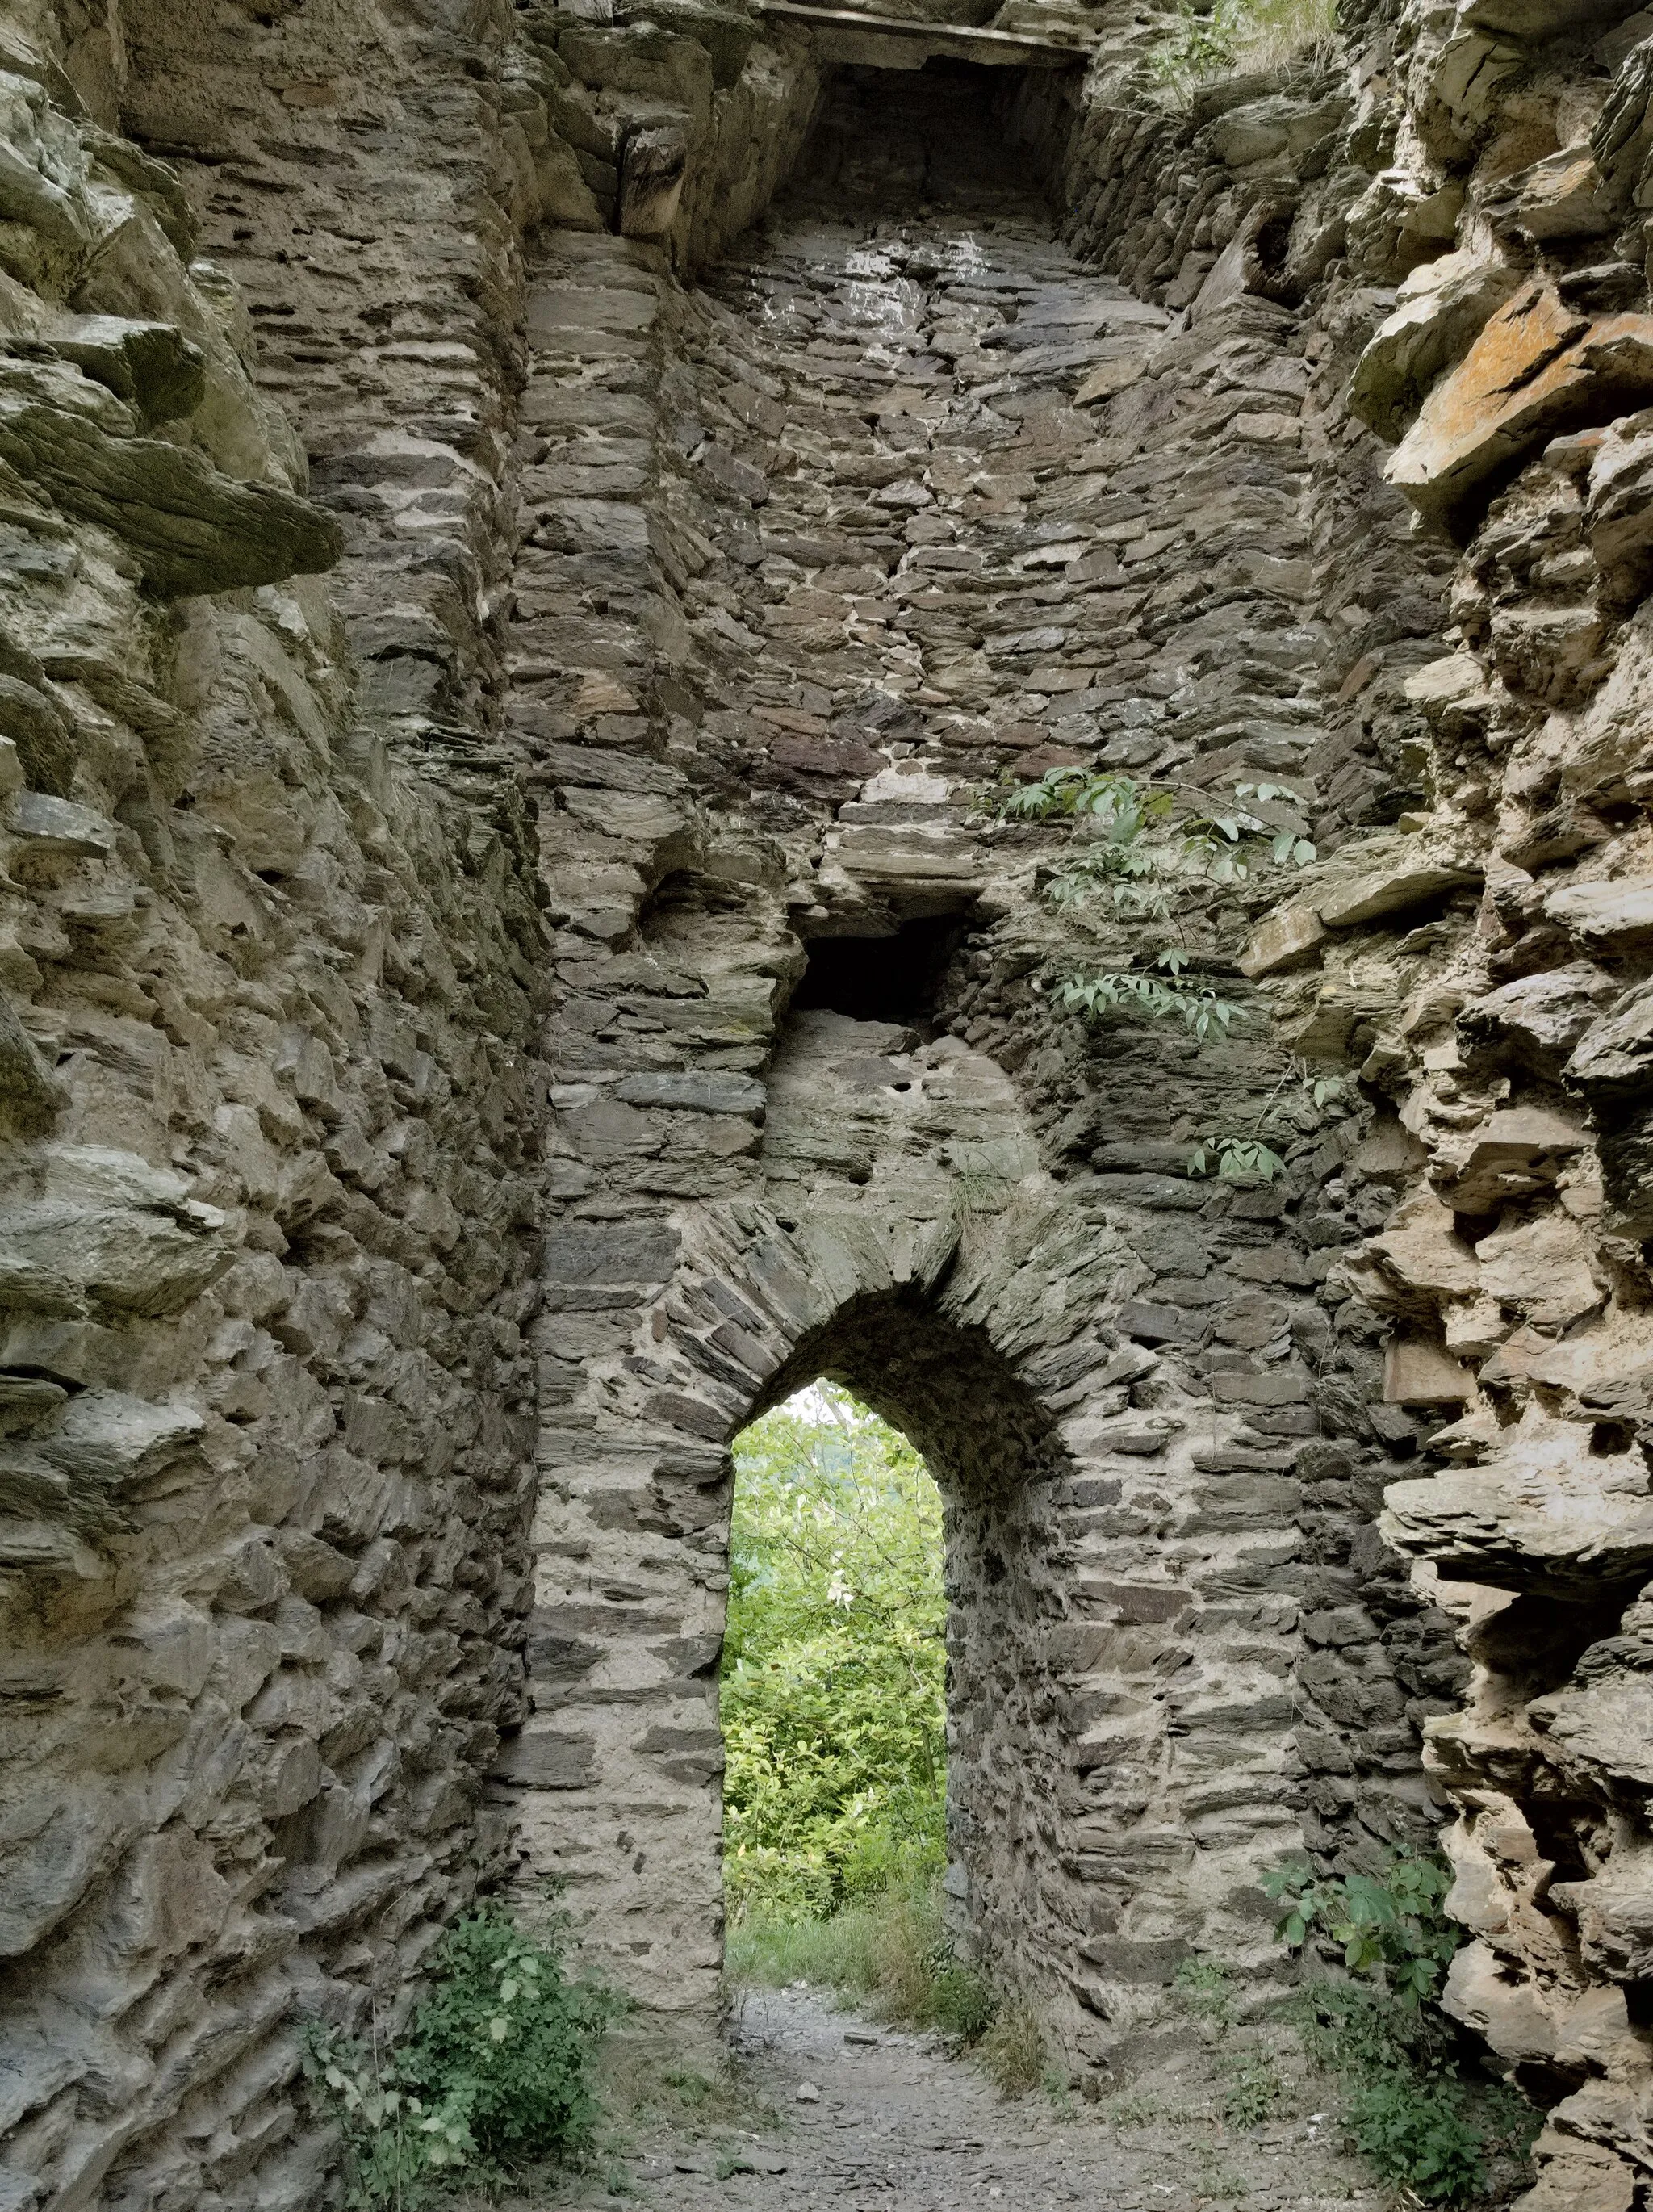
(508, 976)
(274, 1108)
(860, 537)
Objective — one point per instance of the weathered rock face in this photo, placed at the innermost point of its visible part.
(504, 978)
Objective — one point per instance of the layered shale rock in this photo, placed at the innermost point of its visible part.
(525, 537)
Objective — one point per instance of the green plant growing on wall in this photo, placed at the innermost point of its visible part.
(1160, 997)
(1160, 830)
(1408, 2107)
(1297, 1101)
(1208, 39)
(1397, 1925)
(492, 2075)
(1143, 840)
(1236, 1159)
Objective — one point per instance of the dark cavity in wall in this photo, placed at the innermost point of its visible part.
(882, 979)
(952, 132)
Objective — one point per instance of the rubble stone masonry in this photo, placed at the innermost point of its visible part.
(524, 536)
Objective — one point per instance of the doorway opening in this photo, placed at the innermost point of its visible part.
(833, 1699)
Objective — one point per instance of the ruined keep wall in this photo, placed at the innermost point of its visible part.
(1464, 244)
(845, 489)
(1458, 796)
(723, 593)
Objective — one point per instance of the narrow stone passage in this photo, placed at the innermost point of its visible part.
(894, 2125)
(815, 546)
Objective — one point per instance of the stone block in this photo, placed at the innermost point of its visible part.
(1145, 1604)
(710, 1091)
(1611, 1063)
(1410, 879)
(548, 1758)
(1242, 1502)
(1152, 1961)
(1538, 369)
(1440, 310)
(1139, 1436)
(1559, 196)
(652, 171)
(1421, 1253)
(1611, 917)
(1291, 937)
(1619, 510)
(1512, 1153)
(1577, 2176)
(152, 365)
(194, 529)
(1150, 1324)
(1420, 1373)
(59, 828)
(1170, 1193)
(589, 1252)
(1537, 1021)
(1542, 1266)
(1266, 1386)
(677, 1409)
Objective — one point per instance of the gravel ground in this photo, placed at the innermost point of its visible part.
(825, 2107)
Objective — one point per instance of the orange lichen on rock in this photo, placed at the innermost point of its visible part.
(1538, 369)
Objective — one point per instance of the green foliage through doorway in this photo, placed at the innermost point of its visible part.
(832, 1689)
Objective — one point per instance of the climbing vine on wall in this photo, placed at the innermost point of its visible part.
(1141, 841)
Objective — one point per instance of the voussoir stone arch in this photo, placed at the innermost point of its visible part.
(1088, 1723)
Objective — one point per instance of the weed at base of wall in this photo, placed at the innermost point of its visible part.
(493, 2075)
(1411, 2107)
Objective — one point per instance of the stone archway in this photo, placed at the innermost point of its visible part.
(1007, 1482)
(1122, 1698)
(755, 1308)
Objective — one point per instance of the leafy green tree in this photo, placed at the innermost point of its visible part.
(833, 1663)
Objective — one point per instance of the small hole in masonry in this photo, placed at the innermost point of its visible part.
(882, 979)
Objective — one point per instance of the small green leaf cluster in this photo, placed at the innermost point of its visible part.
(492, 2075)
(1141, 842)
(1205, 1988)
(1397, 1925)
(1254, 2089)
(1236, 1159)
(1124, 990)
(1417, 2132)
(1123, 816)
(1245, 1156)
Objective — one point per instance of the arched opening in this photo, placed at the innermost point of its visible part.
(834, 1701)
(926, 1459)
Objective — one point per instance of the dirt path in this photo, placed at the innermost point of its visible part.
(831, 2109)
